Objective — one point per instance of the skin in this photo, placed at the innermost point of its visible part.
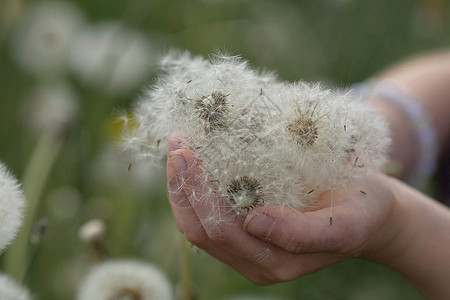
(378, 218)
(427, 77)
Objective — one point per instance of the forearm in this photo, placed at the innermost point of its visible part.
(428, 78)
(416, 241)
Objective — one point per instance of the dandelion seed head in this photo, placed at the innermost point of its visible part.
(260, 141)
(10, 290)
(212, 109)
(45, 37)
(321, 134)
(111, 56)
(125, 278)
(304, 130)
(12, 204)
(245, 193)
(51, 108)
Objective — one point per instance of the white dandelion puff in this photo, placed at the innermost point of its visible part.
(12, 204)
(43, 41)
(111, 56)
(327, 137)
(123, 279)
(250, 179)
(10, 290)
(260, 141)
(197, 98)
(51, 108)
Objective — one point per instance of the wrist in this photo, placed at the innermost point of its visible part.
(393, 236)
(414, 241)
(414, 134)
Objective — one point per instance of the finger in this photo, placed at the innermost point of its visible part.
(258, 261)
(189, 224)
(220, 222)
(175, 142)
(305, 232)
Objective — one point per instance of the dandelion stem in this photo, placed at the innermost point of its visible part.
(34, 179)
(31, 260)
(186, 289)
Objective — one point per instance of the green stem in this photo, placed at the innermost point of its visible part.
(186, 289)
(33, 182)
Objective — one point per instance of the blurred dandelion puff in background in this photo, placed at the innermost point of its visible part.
(112, 56)
(125, 279)
(51, 107)
(260, 141)
(11, 207)
(44, 38)
(10, 290)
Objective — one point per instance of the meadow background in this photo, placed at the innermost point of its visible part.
(67, 154)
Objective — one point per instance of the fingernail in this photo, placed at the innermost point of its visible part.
(176, 167)
(259, 225)
(173, 144)
(178, 162)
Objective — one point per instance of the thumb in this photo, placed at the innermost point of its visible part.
(301, 232)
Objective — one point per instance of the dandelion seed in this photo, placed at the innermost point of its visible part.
(264, 256)
(11, 207)
(113, 167)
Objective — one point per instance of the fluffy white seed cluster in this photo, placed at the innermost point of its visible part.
(12, 204)
(10, 290)
(46, 35)
(260, 141)
(123, 279)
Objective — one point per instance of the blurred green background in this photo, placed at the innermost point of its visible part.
(339, 42)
